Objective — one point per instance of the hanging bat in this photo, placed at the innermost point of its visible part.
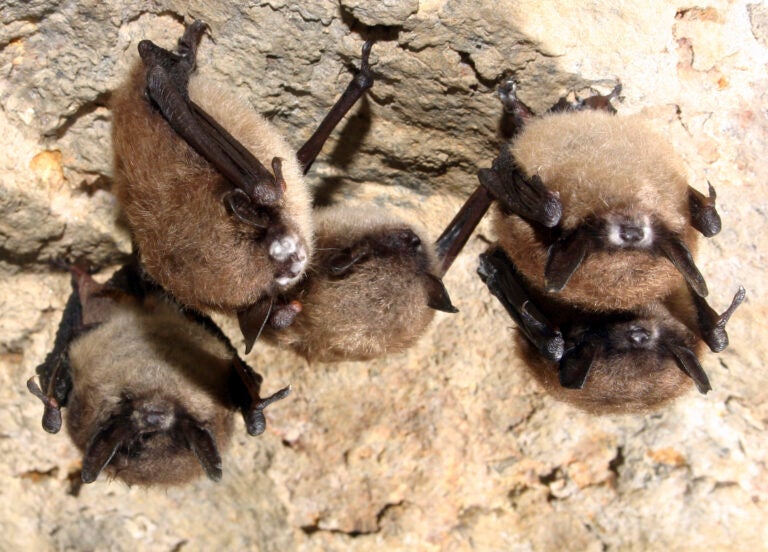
(595, 207)
(373, 285)
(150, 388)
(213, 225)
(621, 361)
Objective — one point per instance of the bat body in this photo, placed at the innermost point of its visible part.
(150, 388)
(368, 289)
(618, 361)
(596, 227)
(199, 235)
(627, 224)
(212, 224)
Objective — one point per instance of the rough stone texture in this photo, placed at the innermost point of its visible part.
(448, 446)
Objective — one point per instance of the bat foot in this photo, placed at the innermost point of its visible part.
(191, 39)
(364, 77)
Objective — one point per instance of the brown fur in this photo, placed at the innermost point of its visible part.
(636, 381)
(601, 164)
(158, 357)
(173, 199)
(379, 307)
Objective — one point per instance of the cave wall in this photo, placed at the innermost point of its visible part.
(450, 445)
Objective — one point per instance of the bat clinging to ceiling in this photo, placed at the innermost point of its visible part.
(213, 225)
(374, 283)
(619, 361)
(595, 207)
(149, 387)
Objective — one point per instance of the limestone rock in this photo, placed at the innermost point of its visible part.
(450, 445)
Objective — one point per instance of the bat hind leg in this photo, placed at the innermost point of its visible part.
(516, 113)
(356, 89)
(190, 40)
(596, 102)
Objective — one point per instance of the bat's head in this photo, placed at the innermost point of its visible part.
(151, 397)
(625, 235)
(371, 288)
(626, 362)
(152, 439)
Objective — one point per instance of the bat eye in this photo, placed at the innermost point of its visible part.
(403, 240)
(638, 337)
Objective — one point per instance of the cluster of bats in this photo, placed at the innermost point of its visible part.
(595, 229)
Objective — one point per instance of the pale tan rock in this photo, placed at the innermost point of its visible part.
(448, 446)
(385, 12)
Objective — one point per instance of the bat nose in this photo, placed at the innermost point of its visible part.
(638, 337)
(631, 233)
(156, 417)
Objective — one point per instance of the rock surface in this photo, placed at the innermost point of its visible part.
(447, 446)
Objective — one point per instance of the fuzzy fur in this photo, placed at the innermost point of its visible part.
(172, 198)
(626, 382)
(379, 307)
(601, 164)
(153, 356)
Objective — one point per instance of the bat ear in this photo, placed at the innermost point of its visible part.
(103, 447)
(687, 360)
(437, 295)
(253, 319)
(203, 445)
(574, 368)
(240, 206)
(565, 256)
(673, 248)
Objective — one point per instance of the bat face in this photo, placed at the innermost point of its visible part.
(614, 361)
(194, 227)
(625, 236)
(624, 362)
(149, 387)
(369, 289)
(157, 409)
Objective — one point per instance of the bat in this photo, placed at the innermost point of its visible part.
(150, 387)
(595, 207)
(213, 225)
(612, 362)
(373, 285)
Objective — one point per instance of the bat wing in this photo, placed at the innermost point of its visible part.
(501, 276)
(704, 215)
(525, 197)
(167, 82)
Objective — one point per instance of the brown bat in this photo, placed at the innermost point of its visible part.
(595, 207)
(613, 362)
(374, 283)
(150, 388)
(213, 225)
